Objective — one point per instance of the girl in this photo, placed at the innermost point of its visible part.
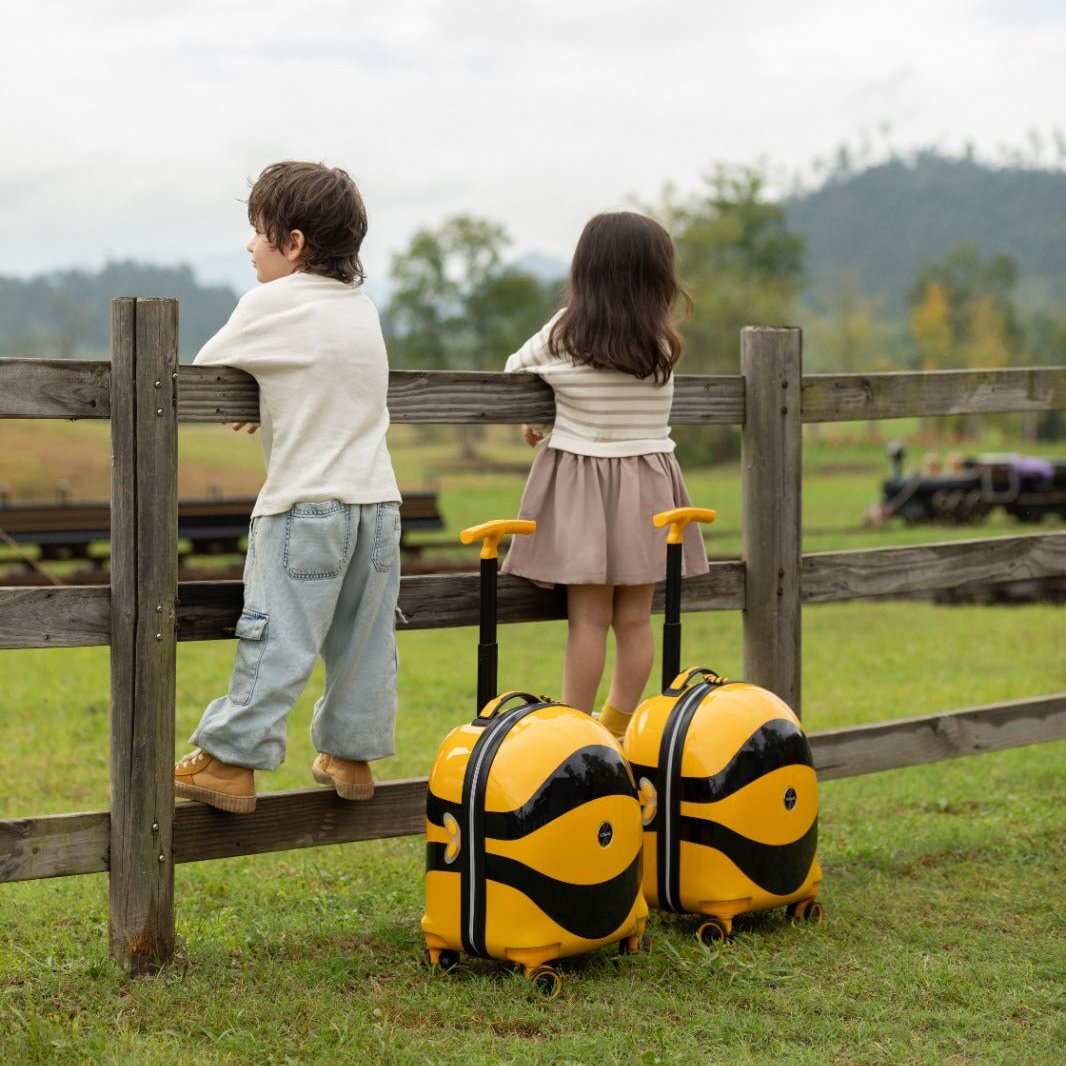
(607, 465)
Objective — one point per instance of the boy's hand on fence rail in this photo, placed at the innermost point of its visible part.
(252, 426)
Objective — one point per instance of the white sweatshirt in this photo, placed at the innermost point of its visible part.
(599, 412)
(315, 348)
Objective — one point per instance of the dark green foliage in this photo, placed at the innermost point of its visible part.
(455, 305)
(65, 314)
(877, 226)
(740, 262)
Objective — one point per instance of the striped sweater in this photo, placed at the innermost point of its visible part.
(598, 412)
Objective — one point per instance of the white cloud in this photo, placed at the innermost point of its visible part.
(131, 131)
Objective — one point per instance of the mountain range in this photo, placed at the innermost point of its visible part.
(873, 229)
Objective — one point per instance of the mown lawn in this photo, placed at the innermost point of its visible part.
(945, 934)
(944, 940)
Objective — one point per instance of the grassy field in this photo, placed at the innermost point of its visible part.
(945, 935)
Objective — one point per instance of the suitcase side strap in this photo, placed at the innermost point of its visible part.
(472, 856)
(668, 838)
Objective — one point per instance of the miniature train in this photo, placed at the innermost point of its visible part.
(1026, 488)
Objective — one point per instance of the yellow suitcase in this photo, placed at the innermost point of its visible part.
(533, 827)
(727, 785)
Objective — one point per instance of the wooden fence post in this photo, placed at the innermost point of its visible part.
(771, 455)
(144, 582)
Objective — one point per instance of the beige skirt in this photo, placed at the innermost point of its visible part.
(594, 520)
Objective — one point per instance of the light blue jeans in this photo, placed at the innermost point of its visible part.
(323, 578)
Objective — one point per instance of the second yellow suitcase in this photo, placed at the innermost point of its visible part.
(727, 785)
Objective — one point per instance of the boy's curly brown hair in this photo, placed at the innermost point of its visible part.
(324, 204)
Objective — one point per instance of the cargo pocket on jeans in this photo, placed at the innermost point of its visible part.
(251, 634)
(386, 551)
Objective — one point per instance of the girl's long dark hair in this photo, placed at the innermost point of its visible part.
(621, 295)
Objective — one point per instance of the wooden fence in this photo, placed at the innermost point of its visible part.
(145, 393)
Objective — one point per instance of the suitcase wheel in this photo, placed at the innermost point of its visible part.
(637, 944)
(546, 981)
(808, 909)
(441, 959)
(714, 931)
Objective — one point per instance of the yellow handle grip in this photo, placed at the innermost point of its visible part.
(491, 533)
(680, 517)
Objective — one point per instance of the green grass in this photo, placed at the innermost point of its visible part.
(944, 938)
(945, 935)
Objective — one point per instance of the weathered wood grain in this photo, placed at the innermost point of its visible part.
(707, 400)
(210, 394)
(54, 388)
(208, 610)
(858, 397)
(301, 818)
(771, 460)
(65, 844)
(848, 575)
(56, 845)
(931, 738)
(216, 394)
(60, 845)
(144, 581)
(80, 616)
(55, 617)
(43, 388)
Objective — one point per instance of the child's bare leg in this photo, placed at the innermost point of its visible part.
(634, 645)
(588, 611)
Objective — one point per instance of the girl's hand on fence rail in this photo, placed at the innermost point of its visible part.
(252, 426)
(533, 435)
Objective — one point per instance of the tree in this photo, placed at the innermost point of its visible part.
(850, 336)
(455, 305)
(963, 315)
(931, 324)
(963, 310)
(739, 261)
(742, 266)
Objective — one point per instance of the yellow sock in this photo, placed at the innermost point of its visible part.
(614, 719)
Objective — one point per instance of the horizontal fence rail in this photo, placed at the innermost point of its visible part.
(55, 388)
(40, 388)
(860, 397)
(59, 845)
(863, 573)
(78, 616)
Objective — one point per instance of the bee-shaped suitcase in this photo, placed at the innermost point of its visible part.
(533, 826)
(727, 785)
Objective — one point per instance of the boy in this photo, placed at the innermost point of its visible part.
(322, 573)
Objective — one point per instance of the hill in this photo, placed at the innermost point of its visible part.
(65, 314)
(873, 228)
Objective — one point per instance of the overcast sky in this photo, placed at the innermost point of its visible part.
(130, 129)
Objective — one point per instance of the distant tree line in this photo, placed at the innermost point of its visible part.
(65, 314)
(837, 264)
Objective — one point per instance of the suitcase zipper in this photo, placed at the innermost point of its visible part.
(472, 869)
(668, 839)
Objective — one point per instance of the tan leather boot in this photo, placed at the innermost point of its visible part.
(352, 780)
(200, 776)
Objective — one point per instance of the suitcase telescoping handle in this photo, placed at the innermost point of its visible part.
(490, 534)
(676, 519)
